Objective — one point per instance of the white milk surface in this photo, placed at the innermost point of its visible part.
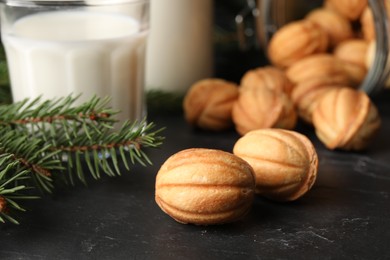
(54, 54)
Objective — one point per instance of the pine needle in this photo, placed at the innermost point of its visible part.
(43, 143)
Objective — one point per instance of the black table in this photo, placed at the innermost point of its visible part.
(346, 215)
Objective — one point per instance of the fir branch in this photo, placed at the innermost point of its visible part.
(32, 154)
(56, 140)
(55, 111)
(12, 187)
(102, 150)
(45, 141)
(78, 133)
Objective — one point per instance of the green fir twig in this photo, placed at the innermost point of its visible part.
(57, 140)
(12, 187)
(32, 154)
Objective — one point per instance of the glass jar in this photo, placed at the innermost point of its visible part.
(270, 15)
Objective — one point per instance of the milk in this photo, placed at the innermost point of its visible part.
(56, 53)
(180, 45)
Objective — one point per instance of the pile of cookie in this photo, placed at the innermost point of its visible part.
(317, 65)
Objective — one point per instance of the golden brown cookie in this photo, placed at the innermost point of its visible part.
(346, 119)
(336, 26)
(352, 51)
(205, 187)
(307, 94)
(285, 162)
(351, 9)
(268, 76)
(295, 41)
(208, 104)
(258, 108)
(316, 66)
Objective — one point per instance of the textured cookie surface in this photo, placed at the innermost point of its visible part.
(285, 162)
(205, 187)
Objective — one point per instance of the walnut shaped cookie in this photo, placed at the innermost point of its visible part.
(285, 162)
(258, 108)
(208, 104)
(267, 76)
(295, 41)
(205, 187)
(346, 119)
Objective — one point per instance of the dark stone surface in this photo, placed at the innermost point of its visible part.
(346, 215)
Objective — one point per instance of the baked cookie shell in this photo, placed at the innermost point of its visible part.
(205, 187)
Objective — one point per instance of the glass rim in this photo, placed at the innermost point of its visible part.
(37, 3)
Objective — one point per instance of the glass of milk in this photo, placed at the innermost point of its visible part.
(86, 48)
